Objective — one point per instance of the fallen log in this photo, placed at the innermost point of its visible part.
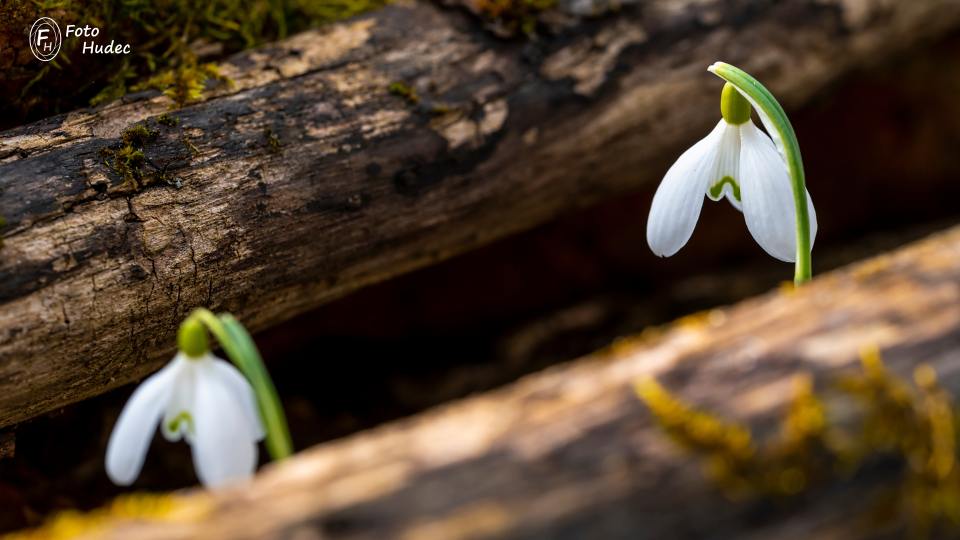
(573, 453)
(349, 154)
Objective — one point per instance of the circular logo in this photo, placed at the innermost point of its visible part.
(45, 39)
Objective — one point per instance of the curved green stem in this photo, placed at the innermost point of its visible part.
(781, 131)
(241, 350)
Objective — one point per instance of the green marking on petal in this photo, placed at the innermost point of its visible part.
(716, 190)
(174, 425)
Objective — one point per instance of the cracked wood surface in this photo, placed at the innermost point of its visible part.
(572, 453)
(308, 179)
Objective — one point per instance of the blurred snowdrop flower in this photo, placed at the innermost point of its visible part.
(741, 163)
(197, 397)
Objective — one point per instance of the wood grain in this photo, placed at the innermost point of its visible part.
(308, 178)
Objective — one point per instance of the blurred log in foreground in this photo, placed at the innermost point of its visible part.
(573, 453)
(350, 154)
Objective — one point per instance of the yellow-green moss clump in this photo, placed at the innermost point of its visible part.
(128, 158)
(404, 90)
(273, 142)
(137, 506)
(167, 120)
(186, 82)
(731, 457)
(915, 424)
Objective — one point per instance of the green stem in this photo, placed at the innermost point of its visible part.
(781, 131)
(240, 348)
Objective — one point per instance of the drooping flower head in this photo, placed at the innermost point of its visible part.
(736, 161)
(197, 397)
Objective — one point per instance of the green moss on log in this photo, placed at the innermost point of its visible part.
(404, 90)
(174, 44)
(273, 142)
(128, 159)
(167, 120)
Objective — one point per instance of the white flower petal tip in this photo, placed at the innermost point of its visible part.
(205, 401)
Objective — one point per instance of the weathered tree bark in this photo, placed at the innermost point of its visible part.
(309, 178)
(573, 453)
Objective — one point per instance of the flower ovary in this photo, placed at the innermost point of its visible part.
(192, 338)
(734, 107)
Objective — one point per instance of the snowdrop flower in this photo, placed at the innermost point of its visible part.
(738, 162)
(200, 398)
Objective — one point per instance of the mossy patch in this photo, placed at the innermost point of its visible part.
(186, 82)
(129, 161)
(404, 90)
(175, 45)
(167, 120)
(190, 146)
(273, 142)
(138, 135)
(135, 507)
(915, 426)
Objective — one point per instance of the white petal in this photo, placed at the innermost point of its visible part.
(813, 220)
(728, 164)
(677, 203)
(181, 403)
(767, 195)
(731, 198)
(133, 431)
(242, 391)
(224, 447)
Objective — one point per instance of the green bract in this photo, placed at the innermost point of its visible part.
(781, 131)
(240, 349)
